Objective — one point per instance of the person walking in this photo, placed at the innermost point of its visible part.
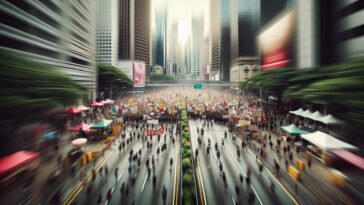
(164, 194)
(241, 178)
(122, 188)
(154, 180)
(170, 164)
(109, 195)
(116, 173)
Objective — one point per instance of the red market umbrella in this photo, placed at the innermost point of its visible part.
(72, 110)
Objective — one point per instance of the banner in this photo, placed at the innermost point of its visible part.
(152, 121)
(161, 130)
(151, 132)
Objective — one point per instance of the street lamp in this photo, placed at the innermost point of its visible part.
(111, 86)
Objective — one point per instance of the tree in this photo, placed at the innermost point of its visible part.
(111, 74)
(161, 77)
(31, 88)
(30, 92)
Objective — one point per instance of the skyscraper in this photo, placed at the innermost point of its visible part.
(159, 38)
(60, 34)
(107, 32)
(245, 23)
(134, 31)
(220, 39)
(197, 45)
(172, 45)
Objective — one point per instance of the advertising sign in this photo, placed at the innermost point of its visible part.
(139, 74)
(276, 42)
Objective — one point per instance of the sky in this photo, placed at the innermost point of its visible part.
(182, 12)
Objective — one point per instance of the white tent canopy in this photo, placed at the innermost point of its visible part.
(315, 116)
(329, 119)
(306, 114)
(297, 112)
(82, 107)
(108, 101)
(326, 141)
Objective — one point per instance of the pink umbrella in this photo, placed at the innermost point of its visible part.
(72, 110)
(83, 126)
(79, 141)
(97, 104)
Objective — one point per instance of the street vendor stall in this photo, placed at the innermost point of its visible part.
(293, 131)
(100, 131)
(324, 144)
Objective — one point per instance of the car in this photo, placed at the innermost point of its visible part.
(75, 153)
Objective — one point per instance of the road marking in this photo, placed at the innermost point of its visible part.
(203, 188)
(79, 186)
(122, 172)
(146, 176)
(276, 180)
(245, 175)
(233, 199)
(174, 181)
(201, 182)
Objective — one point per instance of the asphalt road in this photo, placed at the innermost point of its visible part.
(208, 168)
(142, 192)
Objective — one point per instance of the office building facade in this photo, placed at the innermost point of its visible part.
(220, 39)
(107, 32)
(134, 32)
(61, 34)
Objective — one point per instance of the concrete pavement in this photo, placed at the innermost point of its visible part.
(215, 190)
(142, 192)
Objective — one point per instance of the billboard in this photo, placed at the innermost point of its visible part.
(276, 43)
(139, 74)
(127, 68)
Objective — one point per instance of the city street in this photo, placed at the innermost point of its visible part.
(171, 102)
(142, 191)
(215, 190)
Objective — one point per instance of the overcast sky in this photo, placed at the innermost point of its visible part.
(182, 12)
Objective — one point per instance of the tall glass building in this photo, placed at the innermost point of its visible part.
(245, 23)
(60, 34)
(107, 32)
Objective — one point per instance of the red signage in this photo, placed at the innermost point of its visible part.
(276, 43)
(155, 131)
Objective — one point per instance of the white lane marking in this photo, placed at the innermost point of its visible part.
(233, 199)
(276, 180)
(122, 172)
(245, 175)
(146, 176)
(200, 176)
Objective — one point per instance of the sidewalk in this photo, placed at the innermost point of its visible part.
(41, 191)
(314, 180)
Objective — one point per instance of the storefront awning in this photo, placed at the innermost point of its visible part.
(102, 124)
(350, 157)
(293, 129)
(16, 160)
(326, 141)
